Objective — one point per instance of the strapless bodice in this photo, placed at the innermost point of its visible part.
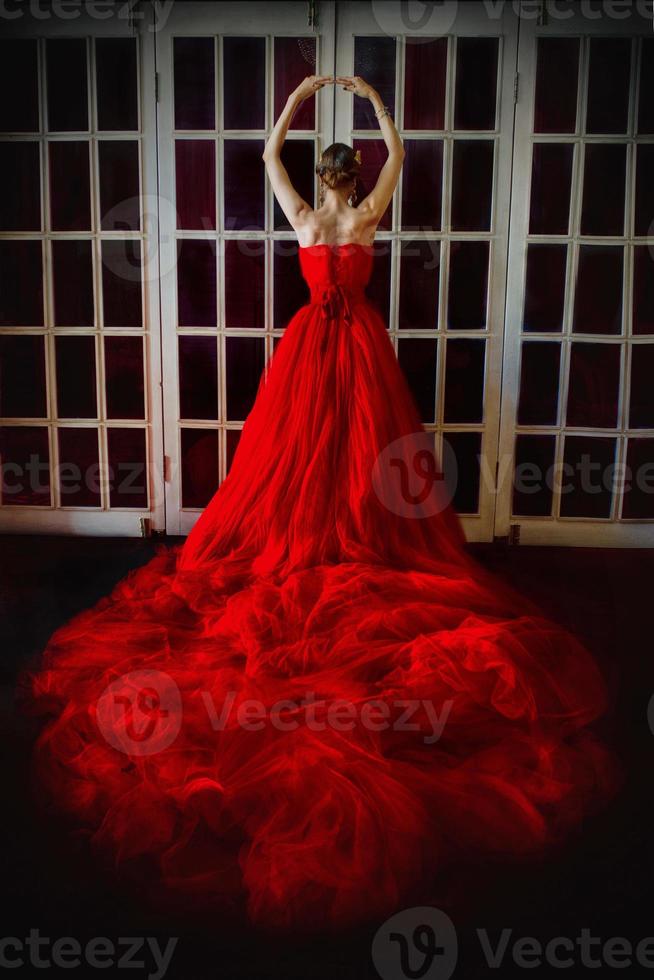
(336, 275)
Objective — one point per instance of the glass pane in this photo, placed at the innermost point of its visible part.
(123, 370)
(373, 158)
(198, 377)
(644, 218)
(25, 465)
(196, 283)
(645, 101)
(67, 85)
(79, 467)
(20, 175)
(195, 184)
(72, 272)
(379, 286)
(425, 76)
(475, 93)
(551, 181)
(121, 283)
(468, 282)
(115, 67)
(374, 60)
(128, 477)
(21, 284)
(602, 213)
(643, 304)
(638, 502)
(532, 478)
(118, 161)
(419, 285)
(290, 291)
(19, 75)
(609, 72)
(244, 82)
(417, 359)
(245, 279)
(472, 185)
(233, 437)
(244, 357)
(195, 83)
(641, 404)
(539, 383)
(298, 158)
(22, 377)
(70, 189)
(295, 58)
(587, 475)
(464, 381)
(422, 180)
(598, 296)
(76, 378)
(545, 287)
(244, 185)
(594, 385)
(556, 85)
(199, 466)
(466, 449)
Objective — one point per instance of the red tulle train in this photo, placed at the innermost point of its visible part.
(320, 697)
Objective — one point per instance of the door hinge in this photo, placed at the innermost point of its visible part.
(156, 86)
(514, 534)
(166, 469)
(145, 527)
(516, 87)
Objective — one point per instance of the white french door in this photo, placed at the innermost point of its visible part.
(448, 79)
(577, 442)
(231, 276)
(146, 272)
(230, 273)
(80, 416)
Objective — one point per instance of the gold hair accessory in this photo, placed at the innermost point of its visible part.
(357, 157)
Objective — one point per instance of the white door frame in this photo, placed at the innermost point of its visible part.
(217, 20)
(57, 519)
(453, 20)
(556, 530)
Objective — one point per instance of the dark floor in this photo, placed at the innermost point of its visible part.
(600, 880)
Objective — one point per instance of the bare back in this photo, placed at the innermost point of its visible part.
(336, 225)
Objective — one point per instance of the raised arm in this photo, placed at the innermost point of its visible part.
(291, 203)
(380, 196)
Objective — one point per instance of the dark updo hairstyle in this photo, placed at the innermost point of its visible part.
(338, 165)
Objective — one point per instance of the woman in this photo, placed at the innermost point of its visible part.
(320, 698)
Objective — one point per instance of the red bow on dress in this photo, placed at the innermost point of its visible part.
(334, 301)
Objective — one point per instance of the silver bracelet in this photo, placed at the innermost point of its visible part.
(384, 111)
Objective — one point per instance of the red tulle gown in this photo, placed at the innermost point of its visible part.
(320, 698)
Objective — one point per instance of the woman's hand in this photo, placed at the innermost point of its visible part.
(311, 84)
(356, 85)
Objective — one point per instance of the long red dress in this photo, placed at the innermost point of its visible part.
(320, 696)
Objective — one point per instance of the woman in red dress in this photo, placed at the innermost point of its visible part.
(320, 698)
